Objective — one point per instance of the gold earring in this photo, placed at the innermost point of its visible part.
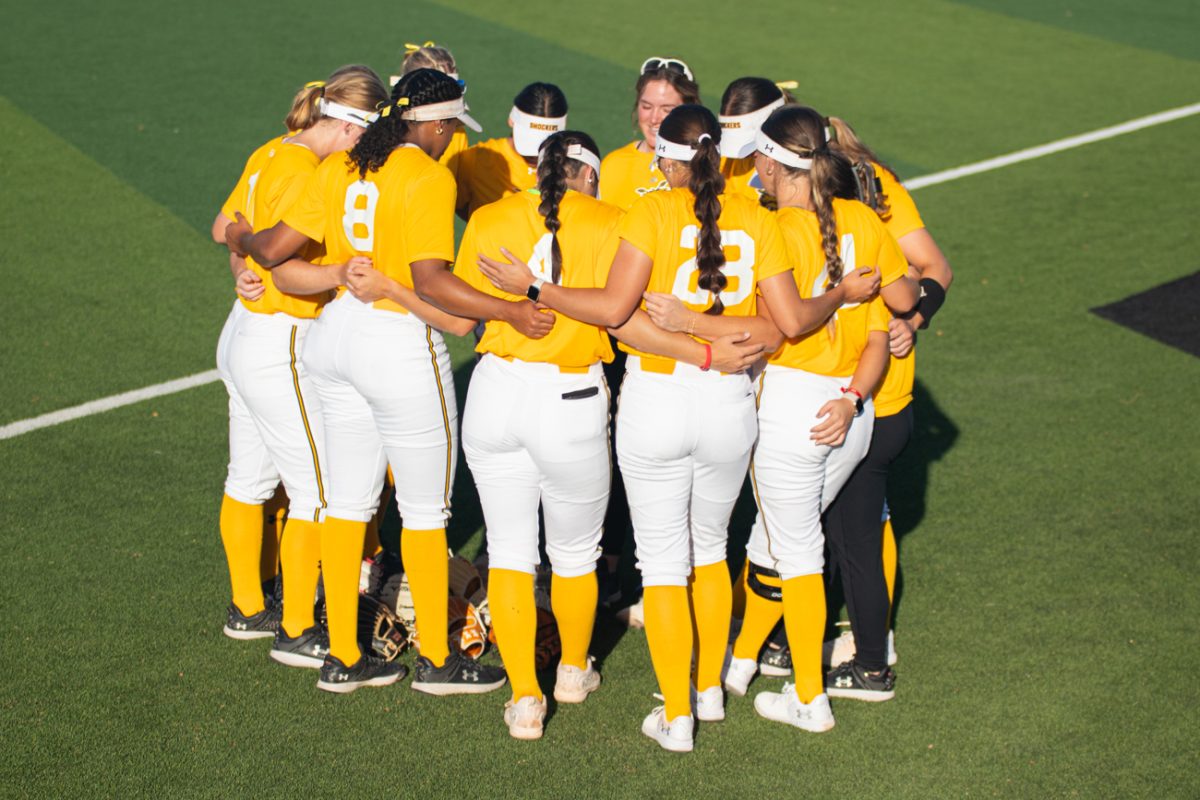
(440, 130)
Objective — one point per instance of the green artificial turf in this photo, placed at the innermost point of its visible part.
(1047, 615)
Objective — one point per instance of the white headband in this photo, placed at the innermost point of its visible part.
(448, 109)
(394, 79)
(577, 152)
(773, 149)
(346, 114)
(673, 150)
(529, 131)
(737, 132)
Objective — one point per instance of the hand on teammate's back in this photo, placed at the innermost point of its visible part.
(364, 281)
(531, 319)
(730, 355)
(861, 285)
(513, 276)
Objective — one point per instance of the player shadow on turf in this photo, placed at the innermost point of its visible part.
(934, 434)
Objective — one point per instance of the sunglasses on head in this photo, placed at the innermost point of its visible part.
(673, 64)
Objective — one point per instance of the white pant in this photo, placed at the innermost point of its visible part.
(683, 442)
(387, 393)
(795, 479)
(528, 440)
(275, 424)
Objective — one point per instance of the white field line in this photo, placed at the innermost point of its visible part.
(108, 404)
(1053, 147)
(202, 378)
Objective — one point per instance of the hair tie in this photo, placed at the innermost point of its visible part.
(315, 85)
(410, 48)
(702, 137)
(830, 132)
(401, 102)
(787, 84)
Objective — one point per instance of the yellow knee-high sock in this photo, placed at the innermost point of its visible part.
(804, 617)
(738, 609)
(712, 598)
(341, 563)
(670, 638)
(242, 536)
(300, 559)
(274, 513)
(428, 569)
(574, 604)
(514, 617)
(762, 615)
(890, 558)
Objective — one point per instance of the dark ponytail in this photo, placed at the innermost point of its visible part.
(696, 127)
(554, 167)
(802, 131)
(417, 88)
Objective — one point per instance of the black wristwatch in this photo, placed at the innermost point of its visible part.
(535, 290)
(849, 393)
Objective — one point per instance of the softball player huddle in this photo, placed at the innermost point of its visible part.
(760, 273)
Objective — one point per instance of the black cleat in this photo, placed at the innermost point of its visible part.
(367, 671)
(775, 662)
(852, 681)
(459, 675)
(262, 625)
(306, 650)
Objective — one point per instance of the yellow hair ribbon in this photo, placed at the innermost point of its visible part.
(387, 110)
(412, 48)
(788, 84)
(314, 85)
(403, 101)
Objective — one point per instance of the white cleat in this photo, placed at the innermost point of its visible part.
(573, 685)
(785, 707)
(738, 674)
(675, 736)
(709, 705)
(524, 717)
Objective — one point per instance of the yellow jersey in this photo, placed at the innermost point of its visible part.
(627, 174)
(458, 144)
(489, 171)
(738, 173)
(588, 241)
(863, 241)
(400, 214)
(896, 388)
(663, 225)
(239, 200)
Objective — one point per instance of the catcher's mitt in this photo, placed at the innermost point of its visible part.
(379, 629)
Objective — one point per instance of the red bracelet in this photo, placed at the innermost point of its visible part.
(853, 391)
(707, 358)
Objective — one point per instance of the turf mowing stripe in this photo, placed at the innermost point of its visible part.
(202, 378)
(108, 403)
(1053, 147)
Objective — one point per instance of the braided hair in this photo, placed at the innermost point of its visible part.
(542, 100)
(696, 127)
(802, 130)
(554, 167)
(418, 88)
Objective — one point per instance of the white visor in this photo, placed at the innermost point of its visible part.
(737, 133)
(673, 150)
(347, 114)
(529, 131)
(578, 152)
(773, 149)
(450, 109)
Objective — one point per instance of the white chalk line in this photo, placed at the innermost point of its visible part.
(24, 426)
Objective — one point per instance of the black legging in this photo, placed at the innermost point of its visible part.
(617, 526)
(854, 533)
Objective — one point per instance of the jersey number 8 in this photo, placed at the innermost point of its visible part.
(359, 220)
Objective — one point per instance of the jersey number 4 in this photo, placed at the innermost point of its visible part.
(359, 220)
(739, 274)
